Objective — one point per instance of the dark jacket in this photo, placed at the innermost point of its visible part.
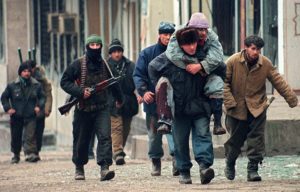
(70, 83)
(124, 68)
(141, 76)
(23, 100)
(188, 90)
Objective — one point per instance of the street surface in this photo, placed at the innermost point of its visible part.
(56, 173)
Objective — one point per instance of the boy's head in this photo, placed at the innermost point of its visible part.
(187, 39)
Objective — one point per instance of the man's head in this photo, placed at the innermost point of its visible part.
(187, 39)
(253, 45)
(93, 42)
(93, 46)
(200, 22)
(116, 50)
(24, 70)
(165, 30)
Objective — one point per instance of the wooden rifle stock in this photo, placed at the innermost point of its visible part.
(94, 89)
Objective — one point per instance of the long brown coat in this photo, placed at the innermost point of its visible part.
(246, 90)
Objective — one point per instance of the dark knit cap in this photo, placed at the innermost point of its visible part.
(25, 65)
(186, 36)
(93, 39)
(166, 27)
(115, 45)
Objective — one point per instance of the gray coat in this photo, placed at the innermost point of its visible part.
(212, 48)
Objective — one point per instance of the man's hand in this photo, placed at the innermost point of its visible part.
(193, 68)
(148, 97)
(37, 110)
(86, 93)
(139, 99)
(11, 111)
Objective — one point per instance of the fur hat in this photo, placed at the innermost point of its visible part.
(186, 36)
(115, 45)
(198, 20)
(166, 27)
(93, 39)
(25, 65)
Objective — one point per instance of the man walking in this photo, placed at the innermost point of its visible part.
(92, 112)
(146, 89)
(191, 110)
(38, 72)
(121, 117)
(209, 60)
(245, 100)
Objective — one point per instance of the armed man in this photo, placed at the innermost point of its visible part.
(38, 72)
(92, 111)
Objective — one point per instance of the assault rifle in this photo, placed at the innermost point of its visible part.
(94, 89)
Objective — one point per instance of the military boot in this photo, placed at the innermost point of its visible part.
(185, 177)
(175, 171)
(79, 173)
(32, 158)
(252, 169)
(229, 169)
(156, 167)
(120, 160)
(217, 111)
(206, 174)
(106, 174)
(15, 159)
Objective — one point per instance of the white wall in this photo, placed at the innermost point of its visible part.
(291, 42)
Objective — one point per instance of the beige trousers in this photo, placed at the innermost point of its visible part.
(120, 128)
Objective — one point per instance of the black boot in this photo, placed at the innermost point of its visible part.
(119, 157)
(106, 174)
(185, 177)
(164, 129)
(15, 159)
(31, 157)
(206, 174)
(217, 112)
(120, 160)
(229, 169)
(175, 171)
(252, 169)
(79, 173)
(156, 167)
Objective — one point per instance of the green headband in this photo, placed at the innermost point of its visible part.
(93, 39)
